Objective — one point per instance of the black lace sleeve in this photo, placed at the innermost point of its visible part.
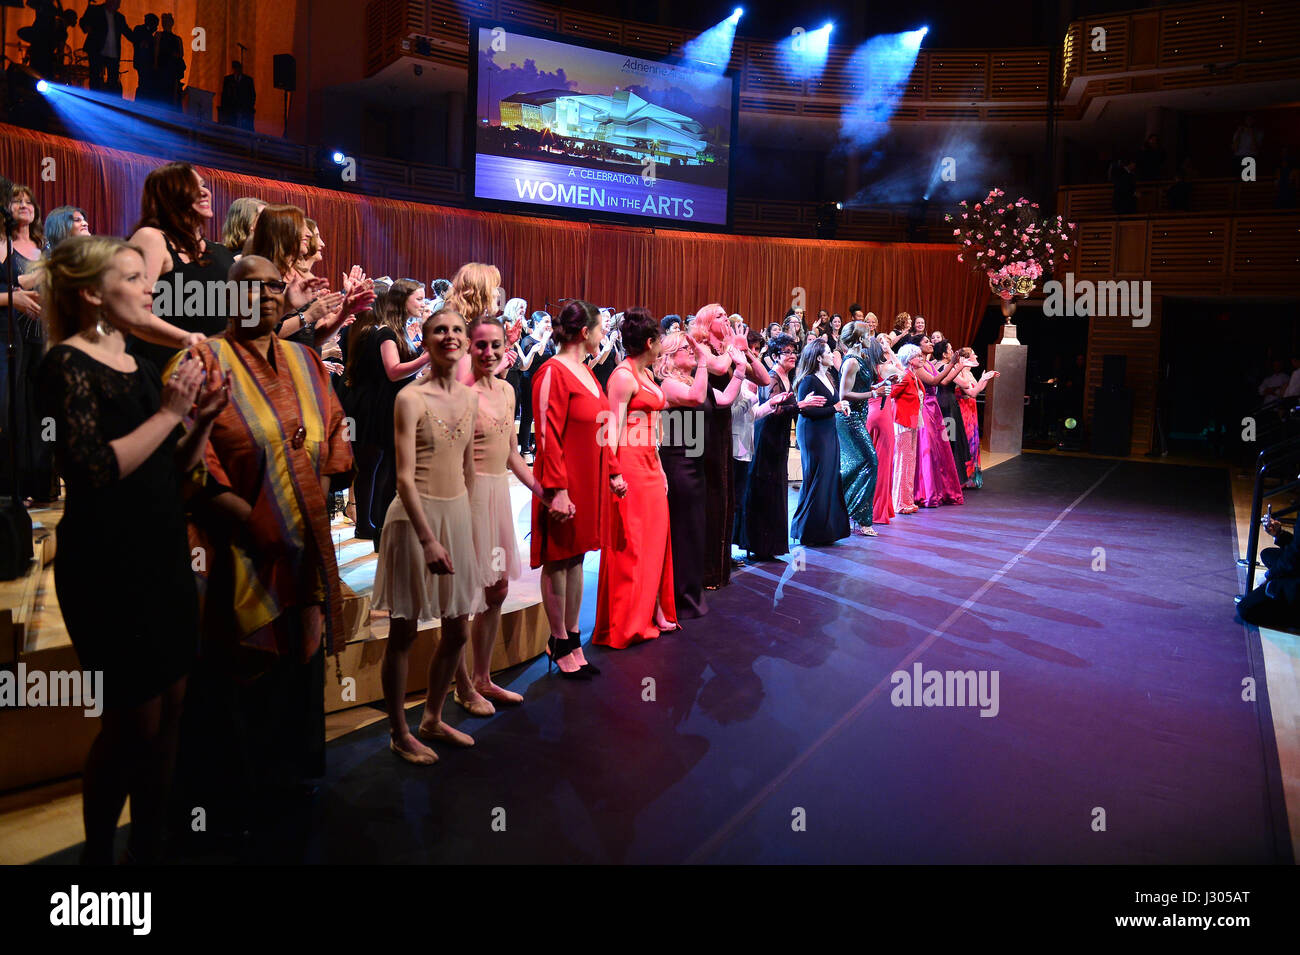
(66, 395)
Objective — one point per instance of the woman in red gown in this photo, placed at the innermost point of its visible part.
(572, 465)
(635, 600)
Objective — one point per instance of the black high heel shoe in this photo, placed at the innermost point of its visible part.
(555, 649)
(574, 643)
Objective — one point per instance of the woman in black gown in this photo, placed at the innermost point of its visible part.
(948, 406)
(820, 517)
(380, 362)
(33, 465)
(766, 527)
(132, 611)
(722, 345)
(682, 368)
(175, 207)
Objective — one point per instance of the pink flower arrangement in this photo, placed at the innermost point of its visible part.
(1005, 240)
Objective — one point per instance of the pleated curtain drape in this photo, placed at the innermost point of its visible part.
(541, 260)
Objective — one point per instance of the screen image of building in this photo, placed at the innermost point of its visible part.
(623, 120)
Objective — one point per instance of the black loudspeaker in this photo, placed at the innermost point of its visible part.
(1113, 370)
(1112, 421)
(285, 68)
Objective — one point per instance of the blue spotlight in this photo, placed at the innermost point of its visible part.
(338, 157)
(97, 117)
(881, 68)
(737, 14)
(712, 48)
(804, 55)
(42, 87)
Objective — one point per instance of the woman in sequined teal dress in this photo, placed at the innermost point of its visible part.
(858, 464)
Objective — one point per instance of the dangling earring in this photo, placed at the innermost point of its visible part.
(102, 327)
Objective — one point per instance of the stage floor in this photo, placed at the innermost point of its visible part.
(1120, 690)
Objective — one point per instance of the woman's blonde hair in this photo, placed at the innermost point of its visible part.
(706, 318)
(665, 367)
(78, 262)
(239, 223)
(904, 320)
(474, 290)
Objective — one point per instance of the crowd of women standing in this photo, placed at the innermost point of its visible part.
(660, 443)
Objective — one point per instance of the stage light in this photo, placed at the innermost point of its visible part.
(737, 14)
(42, 87)
(712, 48)
(338, 157)
(880, 68)
(804, 54)
(97, 117)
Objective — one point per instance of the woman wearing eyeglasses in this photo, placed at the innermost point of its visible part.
(683, 370)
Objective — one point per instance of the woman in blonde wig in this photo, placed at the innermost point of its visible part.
(683, 369)
(473, 290)
(476, 293)
(722, 348)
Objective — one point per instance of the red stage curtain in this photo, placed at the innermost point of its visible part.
(543, 260)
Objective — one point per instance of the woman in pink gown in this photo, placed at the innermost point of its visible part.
(936, 472)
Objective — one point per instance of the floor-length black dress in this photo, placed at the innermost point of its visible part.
(721, 506)
(687, 505)
(820, 516)
(766, 527)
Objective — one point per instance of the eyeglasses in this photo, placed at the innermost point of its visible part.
(275, 286)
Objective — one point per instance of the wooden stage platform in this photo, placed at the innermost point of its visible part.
(39, 745)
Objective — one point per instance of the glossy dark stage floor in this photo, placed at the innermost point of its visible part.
(1119, 689)
(1119, 705)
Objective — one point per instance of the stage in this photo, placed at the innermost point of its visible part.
(1120, 733)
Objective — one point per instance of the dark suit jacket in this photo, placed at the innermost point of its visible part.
(143, 41)
(171, 57)
(96, 24)
(238, 94)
